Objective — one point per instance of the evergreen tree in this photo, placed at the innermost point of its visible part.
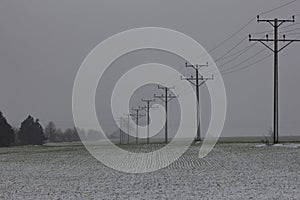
(31, 132)
(6, 132)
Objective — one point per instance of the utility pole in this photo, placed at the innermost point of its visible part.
(137, 115)
(276, 23)
(166, 98)
(128, 127)
(148, 101)
(195, 81)
(121, 124)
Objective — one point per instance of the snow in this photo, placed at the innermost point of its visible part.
(287, 145)
(261, 145)
(230, 171)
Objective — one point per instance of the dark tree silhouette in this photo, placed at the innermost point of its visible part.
(75, 134)
(59, 136)
(6, 132)
(71, 135)
(68, 135)
(31, 132)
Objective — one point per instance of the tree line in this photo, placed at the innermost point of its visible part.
(32, 133)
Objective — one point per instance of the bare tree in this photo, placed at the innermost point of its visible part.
(50, 131)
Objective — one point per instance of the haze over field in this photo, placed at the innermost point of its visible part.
(44, 42)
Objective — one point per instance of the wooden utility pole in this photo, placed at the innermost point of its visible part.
(276, 23)
(192, 80)
(137, 115)
(165, 98)
(148, 101)
(128, 127)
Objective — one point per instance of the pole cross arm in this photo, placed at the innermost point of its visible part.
(147, 100)
(289, 42)
(153, 107)
(272, 21)
(144, 108)
(137, 109)
(189, 79)
(276, 23)
(207, 78)
(192, 79)
(159, 97)
(272, 40)
(197, 66)
(171, 97)
(202, 83)
(262, 40)
(135, 115)
(163, 87)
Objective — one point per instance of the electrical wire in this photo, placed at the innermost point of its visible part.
(249, 65)
(238, 31)
(230, 50)
(233, 54)
(231, 60)
(246, 60)
(271, 10)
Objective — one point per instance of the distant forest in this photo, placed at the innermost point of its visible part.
(31, 132)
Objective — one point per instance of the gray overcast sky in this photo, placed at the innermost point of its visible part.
(42, 44)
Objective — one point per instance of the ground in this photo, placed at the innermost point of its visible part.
(230, 171)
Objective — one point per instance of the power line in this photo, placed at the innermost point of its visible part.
(237, 65)
(231, 36)
(165, 98)
(275, 23)
(238, 52)
(249, 22)
(246, 60)
(128, 126)
(288, 31)
(240, 29)
(195, 81)
(248, 47)
(269, 31)
(121, 119)
(148, 101)
(230, 50)
(236, 70)
(271, 10)
(258, 33)
(243, 27)
(247, 66)
(240, 63)
(293, 33)
(237, 56)
(289, 25)
(136, 116)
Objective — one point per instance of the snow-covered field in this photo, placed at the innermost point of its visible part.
(231, 171)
